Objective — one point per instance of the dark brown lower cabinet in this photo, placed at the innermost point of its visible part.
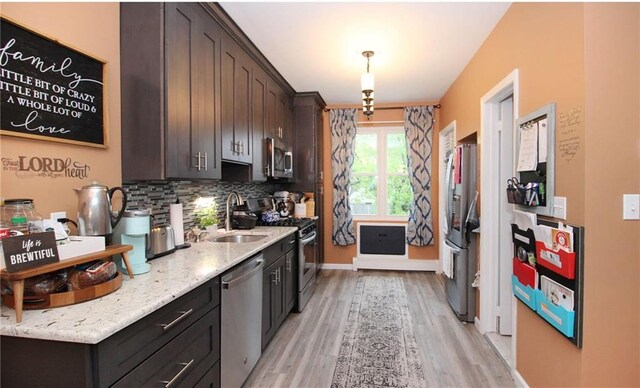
(180, 342)
(279, 286)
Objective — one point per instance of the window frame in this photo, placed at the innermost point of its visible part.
(382, 174)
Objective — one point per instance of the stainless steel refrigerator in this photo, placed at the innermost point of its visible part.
(460, 181)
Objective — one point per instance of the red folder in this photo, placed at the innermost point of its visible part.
(525, 273)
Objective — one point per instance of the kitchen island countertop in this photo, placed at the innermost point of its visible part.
(170, 277)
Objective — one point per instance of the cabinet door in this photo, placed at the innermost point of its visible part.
(236, 102)
(259, 122)
(273, 92)
(268, 296)
(182, 91)
(192, 41)
(209, 97)
(290, 285)
(278, 303)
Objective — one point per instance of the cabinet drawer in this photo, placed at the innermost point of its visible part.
(124, 350)
(211, 379)
(184, 360)
(274, 251)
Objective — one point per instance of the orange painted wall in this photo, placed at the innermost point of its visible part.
(611, 355)
(334, 254)
(93, 28)
(561, 53)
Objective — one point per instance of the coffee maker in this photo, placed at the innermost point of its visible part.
(133, 229)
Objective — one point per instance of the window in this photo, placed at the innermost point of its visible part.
(379, 181)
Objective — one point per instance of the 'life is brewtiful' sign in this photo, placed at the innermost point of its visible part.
(29, 251)
(48, 90)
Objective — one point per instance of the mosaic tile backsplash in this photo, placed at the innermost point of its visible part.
(157, 196)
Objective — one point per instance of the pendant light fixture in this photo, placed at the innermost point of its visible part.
(366, 81)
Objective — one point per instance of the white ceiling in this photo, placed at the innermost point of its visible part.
(420, 48)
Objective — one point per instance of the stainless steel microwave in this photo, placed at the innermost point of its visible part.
(279, 162)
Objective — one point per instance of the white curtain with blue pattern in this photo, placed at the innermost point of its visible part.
(418, 127)
(343, 134)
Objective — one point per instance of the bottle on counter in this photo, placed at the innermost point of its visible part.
(311, 205)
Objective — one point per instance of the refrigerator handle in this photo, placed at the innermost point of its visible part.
(454, 248)
(447, 182)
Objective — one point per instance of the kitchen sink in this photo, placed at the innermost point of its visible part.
(239, 238)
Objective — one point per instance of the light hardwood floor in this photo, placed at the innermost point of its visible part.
(304, 352)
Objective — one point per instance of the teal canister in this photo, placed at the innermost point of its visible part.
(133, 229)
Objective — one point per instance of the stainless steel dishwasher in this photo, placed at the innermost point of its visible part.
(241, 321)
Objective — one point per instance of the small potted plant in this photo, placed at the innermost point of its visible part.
(206, 215)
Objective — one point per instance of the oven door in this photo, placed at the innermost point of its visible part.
(308, 260)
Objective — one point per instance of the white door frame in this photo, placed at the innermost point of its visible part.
(489, 201)
(442, 191)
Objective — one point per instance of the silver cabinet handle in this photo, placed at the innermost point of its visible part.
(198, 166)
(183, 315)
(289, 265)
(242, 148)
(279, 277)
(266, 170)
(275, 277)
(205, 161)
(185, 366)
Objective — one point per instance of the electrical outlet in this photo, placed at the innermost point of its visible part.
(631, 207)
(560, 207)
(55, 216)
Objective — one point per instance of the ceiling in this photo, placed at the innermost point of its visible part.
(420, 48)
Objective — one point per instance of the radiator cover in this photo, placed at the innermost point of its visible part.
(382, 240)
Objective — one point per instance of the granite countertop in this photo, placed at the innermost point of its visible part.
(170, 277)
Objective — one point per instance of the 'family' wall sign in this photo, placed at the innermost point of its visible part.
(48, 90)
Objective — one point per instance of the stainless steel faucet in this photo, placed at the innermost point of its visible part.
(239, 202)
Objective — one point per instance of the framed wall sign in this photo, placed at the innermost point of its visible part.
(49, 90)
(29, 251)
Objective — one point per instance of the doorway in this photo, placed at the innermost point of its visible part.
(499, 109)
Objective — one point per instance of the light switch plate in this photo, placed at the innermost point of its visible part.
(560, 207)
(631, 207)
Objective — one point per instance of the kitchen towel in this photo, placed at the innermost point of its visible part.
(175, 219)
(447, 261)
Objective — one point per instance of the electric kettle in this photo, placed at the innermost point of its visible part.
(95, 216)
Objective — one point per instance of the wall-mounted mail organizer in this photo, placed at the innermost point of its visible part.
(548, 274)
(532, 187)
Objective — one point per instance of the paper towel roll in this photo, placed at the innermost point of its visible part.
(175, 219)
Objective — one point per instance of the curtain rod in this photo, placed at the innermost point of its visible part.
(437, 106)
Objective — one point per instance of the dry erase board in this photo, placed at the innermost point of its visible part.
(535, 156)
(48, 90)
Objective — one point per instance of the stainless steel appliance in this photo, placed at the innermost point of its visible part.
(95, 216)
(162, 241)
(460, 183)
(279, 163)
(241, 316)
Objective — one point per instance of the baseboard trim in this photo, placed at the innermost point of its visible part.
(519, 380)
(395, 264)
(347, 267)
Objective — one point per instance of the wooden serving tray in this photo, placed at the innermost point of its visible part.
(66, 298)
(17, 279)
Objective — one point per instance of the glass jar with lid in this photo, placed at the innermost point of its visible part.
(22, 216)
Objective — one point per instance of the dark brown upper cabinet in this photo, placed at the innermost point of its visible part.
(170, 59)
(259, 122)
(236, 65)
